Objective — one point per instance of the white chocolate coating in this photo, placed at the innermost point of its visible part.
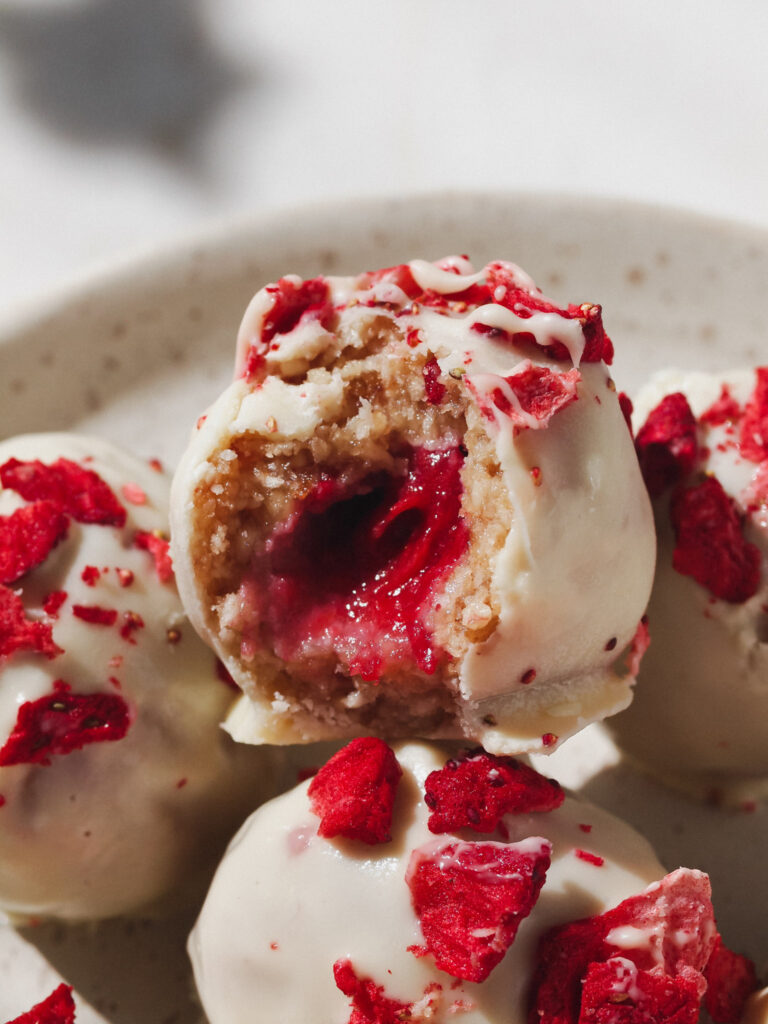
(286, 904)
(699, 719)
(115, 826)
(577, 563)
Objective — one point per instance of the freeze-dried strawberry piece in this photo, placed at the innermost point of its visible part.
(625, 404)
(471, 897)
(532, 396)
(58, 1008)
(618, 992)
(353, 794)
(666, 444)
(369, 1003)
(18, 633)
(753, 437)
(433, 386)
(28, 536)
(479, 789)
(400, 276)
(710, 545)
(52, 602)
(731, 979)
(725, 408)
(79, 492)
(507, 292)
(641, 641)
(674, 927)
(63, 722)
(159, 548)
(94, 614)
(309, 300)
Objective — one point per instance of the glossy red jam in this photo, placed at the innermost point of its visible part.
(353, 572)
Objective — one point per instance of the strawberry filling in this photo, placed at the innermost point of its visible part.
(352, 573)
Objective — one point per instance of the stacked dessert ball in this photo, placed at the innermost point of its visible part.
(417, 513)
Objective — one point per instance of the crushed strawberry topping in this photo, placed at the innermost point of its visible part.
(674, 931)
(370, 1005)
(477, 790)
(532, 396)
(18, 633)
(353, 794)
(471, 897)
(132, 622)
(79, 492)
(159, 548)
(28, 536)
(52, 602)
(723, 410)
(294, 303)
(90, 575)
(618, 992)
(95, 614)
(63, 722)
(709, 542)
(58, 1008)
(625, 404)
(433, 386)
(666, 444)
(352, 573)
(753, 437)
(731, 979)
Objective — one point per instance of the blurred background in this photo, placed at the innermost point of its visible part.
(126, 123)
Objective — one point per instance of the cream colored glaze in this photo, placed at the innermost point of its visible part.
(285, 904)
(577, 563)
(116, 825)
(700, 715)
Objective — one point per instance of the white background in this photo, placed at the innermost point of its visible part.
(125, 123)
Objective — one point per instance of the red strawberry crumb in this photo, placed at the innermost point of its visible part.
(90, 575)
(181, 783)
(273, 946)
(124, 577)
(52, 602)
(641, 641)
(710, 545)
(292, 303)
(477, 790)
(731, 979)
(675, 930)
(58, 1008)
(63, 722)
(666, 444)
(79, 492)
(590, 858)
(471, 897)
(115, 682)
(611, 644)
(536, 476)
(625, 404)
(549, 739)
(723, 410)
(413, 337)
(28, 536)
(155, 464)
(95, 614)
(18, 633)
(618, 992)
(528, 676)
(753, 435)
(159, 548)
(585, 828)
(132, 622)
(223, 675)
(200, 421)
(369, 1005)
(433, 386)
(353, 794)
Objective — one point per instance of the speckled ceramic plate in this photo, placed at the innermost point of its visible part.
(135, 355)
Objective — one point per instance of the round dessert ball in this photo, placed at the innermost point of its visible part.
(699, 720)
(117, 784)
(396, 885)
(417, 512)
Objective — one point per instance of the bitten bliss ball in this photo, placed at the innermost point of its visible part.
(116, 783)
(700, 716)
(417, 511)
(396, 886)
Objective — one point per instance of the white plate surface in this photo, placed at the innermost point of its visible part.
(137, 354)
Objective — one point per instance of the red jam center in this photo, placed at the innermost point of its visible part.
(354, 571)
